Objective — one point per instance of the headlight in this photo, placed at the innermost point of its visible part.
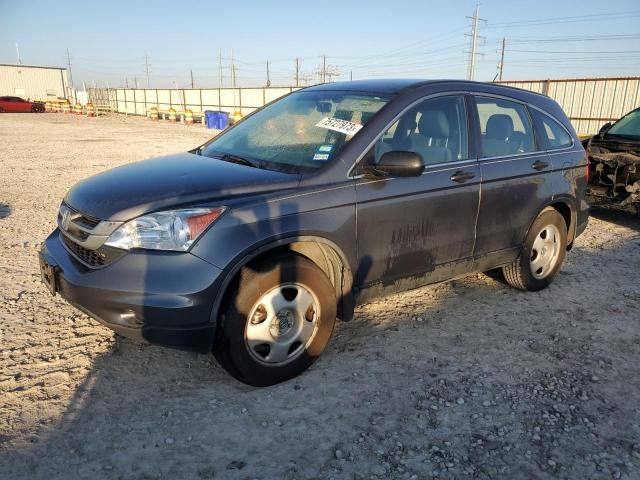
(170, 230)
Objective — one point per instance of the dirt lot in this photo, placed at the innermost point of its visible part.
(468, 379)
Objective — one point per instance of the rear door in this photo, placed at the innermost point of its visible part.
(411, 226)
(516, 174)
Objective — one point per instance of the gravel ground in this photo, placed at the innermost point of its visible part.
(467, 379)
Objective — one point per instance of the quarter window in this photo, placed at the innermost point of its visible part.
(505, 127)
(436, 129)
(554, 133)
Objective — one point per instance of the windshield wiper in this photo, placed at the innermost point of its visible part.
(626, 137)
(232, 158)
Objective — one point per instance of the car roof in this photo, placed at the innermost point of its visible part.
(398, 85)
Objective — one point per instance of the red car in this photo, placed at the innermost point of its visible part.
(17, 104)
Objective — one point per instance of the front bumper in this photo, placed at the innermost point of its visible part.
(164, 298)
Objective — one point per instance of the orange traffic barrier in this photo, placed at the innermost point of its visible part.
(172, 115)
(91, 112)
(47, 106)
(153, 114)
(66, 107)
(188, 117)
(77, 109)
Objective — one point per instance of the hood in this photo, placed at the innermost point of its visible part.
(126, 192)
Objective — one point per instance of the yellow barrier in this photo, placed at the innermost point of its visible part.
(188, 117)
(153, 114)
(90, 110)
(172, 115)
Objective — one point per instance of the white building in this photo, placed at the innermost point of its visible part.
(33, 82)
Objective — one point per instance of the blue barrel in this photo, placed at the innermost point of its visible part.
(216, 119)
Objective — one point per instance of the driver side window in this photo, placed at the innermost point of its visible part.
(436, 129)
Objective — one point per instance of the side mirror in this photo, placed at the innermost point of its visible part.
(604, 128)
(397, 164)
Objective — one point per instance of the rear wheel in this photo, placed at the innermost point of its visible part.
(276, 322)
(542, 253)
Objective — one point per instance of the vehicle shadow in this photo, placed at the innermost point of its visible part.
(5, 210)
(150, 412)
(623, 218)
(144, 411)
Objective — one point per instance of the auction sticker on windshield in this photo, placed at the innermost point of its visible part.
(338, 125)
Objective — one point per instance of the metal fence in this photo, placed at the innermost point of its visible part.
(139, 101)
(589, 102)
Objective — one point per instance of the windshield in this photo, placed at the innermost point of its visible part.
(627, 126)
(300, 133)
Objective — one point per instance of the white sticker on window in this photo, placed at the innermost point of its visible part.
(338, 125)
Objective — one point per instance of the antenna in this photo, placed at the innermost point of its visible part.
(18, 53)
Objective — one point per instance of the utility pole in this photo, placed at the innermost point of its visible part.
(268, 76)
(323, 75)
(351, 75)
(126, 82)
(68, 66)
(471, 64)
(18, 53)
(146, 68)
(504, 42)
(220, 69)
(191, 72)
(135, 81)
(233, 71)
(297, 71)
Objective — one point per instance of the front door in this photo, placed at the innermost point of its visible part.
(408, 227)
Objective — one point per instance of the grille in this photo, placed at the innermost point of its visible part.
(86, 222)
(80, 219)
(92, 258)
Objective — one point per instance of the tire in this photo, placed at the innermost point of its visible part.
(542, 254)
(263, 336)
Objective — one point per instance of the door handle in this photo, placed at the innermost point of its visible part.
(461, 176)
(539, 165)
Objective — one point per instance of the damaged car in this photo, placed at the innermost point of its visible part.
(614, 158)
(251, 245)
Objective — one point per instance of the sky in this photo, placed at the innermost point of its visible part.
(107, 40)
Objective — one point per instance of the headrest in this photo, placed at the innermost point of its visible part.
(433, 124)
(500, 127)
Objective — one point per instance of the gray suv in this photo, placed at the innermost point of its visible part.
(252, 245)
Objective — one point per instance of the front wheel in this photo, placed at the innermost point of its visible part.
(542, 253)
(277, 320)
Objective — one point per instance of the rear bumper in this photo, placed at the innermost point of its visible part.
(163, 298)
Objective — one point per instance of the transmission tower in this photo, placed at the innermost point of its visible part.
(147, 67)
(471, 63)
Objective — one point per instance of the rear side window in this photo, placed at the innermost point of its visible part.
(555, 134)
(505, 127)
